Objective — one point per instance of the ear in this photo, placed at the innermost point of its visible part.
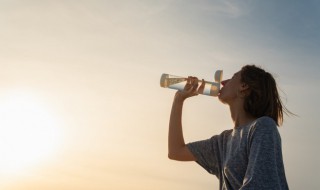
(244, 89)
(244, 86)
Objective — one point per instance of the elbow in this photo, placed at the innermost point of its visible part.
(171, 156)
(179, 154)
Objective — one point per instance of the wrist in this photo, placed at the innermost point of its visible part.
(179, 98)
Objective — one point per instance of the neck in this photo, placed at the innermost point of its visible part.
(239, 116)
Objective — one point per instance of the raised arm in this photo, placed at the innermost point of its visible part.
(177, 149)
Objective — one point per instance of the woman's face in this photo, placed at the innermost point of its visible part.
(230, 89)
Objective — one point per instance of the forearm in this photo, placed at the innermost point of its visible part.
(175, 138)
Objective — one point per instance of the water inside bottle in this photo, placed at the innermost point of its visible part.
(174, 82)
(178, 83)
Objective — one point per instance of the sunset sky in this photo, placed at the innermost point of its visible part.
(81, 107)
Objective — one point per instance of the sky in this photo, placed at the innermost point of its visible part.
(81, 106)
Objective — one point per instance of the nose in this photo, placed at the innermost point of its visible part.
(224, 82)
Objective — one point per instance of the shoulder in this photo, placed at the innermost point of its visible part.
(265, 123)
(219, 139)
(226, 133)
(266, 120)
(263, 126)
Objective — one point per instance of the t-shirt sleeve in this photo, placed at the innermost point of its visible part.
(265, 168)
(207, 154)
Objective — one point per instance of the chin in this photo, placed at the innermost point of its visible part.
(222, 99)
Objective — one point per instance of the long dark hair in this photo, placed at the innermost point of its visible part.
(262, 98)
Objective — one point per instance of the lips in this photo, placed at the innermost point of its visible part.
(220, 91)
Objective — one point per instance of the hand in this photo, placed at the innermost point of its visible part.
(191, 88)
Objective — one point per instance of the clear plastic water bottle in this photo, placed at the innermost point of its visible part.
(178, 83)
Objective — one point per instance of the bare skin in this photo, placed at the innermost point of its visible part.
(231, 94)
(176, 145)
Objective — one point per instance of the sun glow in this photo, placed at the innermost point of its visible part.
(29, 134)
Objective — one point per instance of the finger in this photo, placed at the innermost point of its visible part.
(192, 92)
(195, 83)
(192, 84)
(201, 88)
(188, 84)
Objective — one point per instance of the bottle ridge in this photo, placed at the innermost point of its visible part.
(178, 83)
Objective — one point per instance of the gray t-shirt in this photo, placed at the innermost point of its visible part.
(246, 157)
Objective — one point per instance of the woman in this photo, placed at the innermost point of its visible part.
(249, 156)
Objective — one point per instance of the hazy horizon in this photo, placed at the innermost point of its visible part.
(81, 106)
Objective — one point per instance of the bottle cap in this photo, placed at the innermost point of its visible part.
(218, 76)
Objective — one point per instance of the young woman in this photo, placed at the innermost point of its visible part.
(249, 156)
